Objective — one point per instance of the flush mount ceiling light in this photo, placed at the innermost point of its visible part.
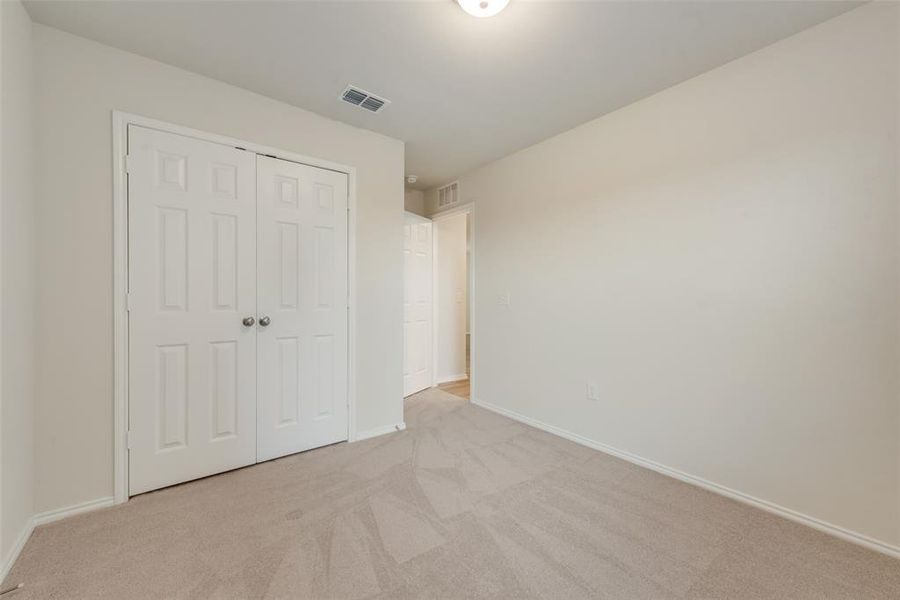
(482, 8)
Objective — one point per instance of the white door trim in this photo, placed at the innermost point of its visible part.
(469, 209)
(120, 122)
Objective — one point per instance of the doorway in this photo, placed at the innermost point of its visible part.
(452, 350)
(438, 327)
(237, 322)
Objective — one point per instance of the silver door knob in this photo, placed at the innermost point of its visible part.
(265, 321)
(248, 321)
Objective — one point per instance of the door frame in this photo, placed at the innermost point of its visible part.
(120, 122)
(468, 209)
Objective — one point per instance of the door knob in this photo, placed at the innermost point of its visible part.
(248, 321)
(265, 321)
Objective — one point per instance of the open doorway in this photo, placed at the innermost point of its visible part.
(452, 302)
(437, 303)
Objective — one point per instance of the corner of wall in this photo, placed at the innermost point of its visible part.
(17, 267)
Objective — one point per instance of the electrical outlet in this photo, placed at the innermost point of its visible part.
(503, 299)
(593, 391)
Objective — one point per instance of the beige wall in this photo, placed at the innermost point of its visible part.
(430, 200)
(17, 277)
(414, 201)
(79, 83)
(722, 259)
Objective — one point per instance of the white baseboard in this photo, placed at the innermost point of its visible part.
(787, 513)
(44, 518)
(451, 378)
(370, 433)
(69, 511)
(10, 559)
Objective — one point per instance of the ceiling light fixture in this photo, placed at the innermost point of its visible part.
(482, 8)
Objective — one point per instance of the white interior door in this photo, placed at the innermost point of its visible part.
(302, 300)
(418, 353)
(192, 281)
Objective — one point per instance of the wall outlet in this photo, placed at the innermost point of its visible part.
(593, 391)
(503, 299)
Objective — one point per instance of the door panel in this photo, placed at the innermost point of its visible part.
(192, 279)
(417, 305)
(302, 289)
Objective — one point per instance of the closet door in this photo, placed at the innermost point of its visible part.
(192, 293)
(302, 300)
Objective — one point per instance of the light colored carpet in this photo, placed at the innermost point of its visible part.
(463, 504)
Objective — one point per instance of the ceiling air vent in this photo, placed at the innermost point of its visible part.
(363, 99)
(448, 195)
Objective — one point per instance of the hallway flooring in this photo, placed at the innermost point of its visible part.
(457, 388)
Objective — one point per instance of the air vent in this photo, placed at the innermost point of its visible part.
(448, 195)
(363, 99)
(354, 96)
(372, 103)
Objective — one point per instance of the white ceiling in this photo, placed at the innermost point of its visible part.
(464, 91)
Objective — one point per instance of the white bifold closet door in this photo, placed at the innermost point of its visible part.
(192, 280)
(238, 316)
(418, 290)
(302, 295)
